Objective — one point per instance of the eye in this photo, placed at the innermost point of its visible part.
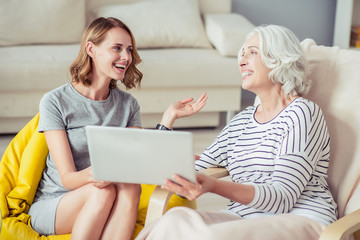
(130, 50)
(117, 48)
(253, 52)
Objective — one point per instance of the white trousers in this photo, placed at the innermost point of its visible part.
(185, 223)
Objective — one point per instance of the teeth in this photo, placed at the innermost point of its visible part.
(120, 66)
(246, 73)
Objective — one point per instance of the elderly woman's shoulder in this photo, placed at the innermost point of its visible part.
(244, 115)
(303, 106)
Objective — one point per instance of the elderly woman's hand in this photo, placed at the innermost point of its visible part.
(188, 189)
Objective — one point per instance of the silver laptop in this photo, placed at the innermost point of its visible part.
(140, 155)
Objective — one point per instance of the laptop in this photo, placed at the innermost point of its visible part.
(142, 156)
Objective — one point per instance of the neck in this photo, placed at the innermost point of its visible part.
(97, 91)
(271, 105)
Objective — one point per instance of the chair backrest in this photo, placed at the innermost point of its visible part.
(335, 75)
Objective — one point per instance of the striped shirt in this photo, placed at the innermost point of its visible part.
(285, 159)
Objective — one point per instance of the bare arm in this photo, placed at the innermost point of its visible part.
(238, 192)
(60, 151)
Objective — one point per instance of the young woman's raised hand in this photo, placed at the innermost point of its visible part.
(183, 108)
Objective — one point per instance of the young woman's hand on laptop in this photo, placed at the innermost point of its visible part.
(182, 108)
(97, 183)
(101, 184)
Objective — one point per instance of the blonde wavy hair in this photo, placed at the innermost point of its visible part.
(81, 68)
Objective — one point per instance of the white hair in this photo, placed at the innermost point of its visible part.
(281, 51)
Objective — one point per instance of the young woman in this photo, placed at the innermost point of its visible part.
(277, 155)
(69, 199)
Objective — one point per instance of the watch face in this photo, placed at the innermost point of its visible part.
(161, 127)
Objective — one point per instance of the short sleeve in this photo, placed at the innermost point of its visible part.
(50, 114)
(135, 118)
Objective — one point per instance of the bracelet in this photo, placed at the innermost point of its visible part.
(162, 127)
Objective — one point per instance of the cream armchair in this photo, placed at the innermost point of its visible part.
(335, 74)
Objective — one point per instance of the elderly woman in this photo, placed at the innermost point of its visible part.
(277, 154)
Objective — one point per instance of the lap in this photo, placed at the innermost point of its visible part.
(184, 223)
(73, 201)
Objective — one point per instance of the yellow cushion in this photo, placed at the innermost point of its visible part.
(21, 169)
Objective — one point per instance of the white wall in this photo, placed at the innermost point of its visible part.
(306, 18)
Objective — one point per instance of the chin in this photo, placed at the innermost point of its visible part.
(246, 87)
(118, 78)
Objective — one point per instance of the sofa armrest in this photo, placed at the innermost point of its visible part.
(227, 32)
(342, 228)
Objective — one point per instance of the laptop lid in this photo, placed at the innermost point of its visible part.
(140, 155)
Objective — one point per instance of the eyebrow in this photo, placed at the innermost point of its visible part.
(249, 47)
(120, 44)
(253, 47)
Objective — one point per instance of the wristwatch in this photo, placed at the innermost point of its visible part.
(162, 127)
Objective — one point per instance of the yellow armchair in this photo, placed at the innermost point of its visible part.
(21, 169)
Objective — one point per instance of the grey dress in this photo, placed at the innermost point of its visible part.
(64, 108)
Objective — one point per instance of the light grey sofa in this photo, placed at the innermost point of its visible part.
(39, 40)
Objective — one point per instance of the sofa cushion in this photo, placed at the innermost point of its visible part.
(38, 21)
(206, 6)
(45, 67)
(215, 6)
(161, 67)
(187, 67)
(161, 23)
(35, 67)
(227, 32)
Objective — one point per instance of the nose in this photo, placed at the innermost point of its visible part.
(242, 61)
(125, 55)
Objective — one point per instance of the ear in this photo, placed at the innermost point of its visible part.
(90, 49)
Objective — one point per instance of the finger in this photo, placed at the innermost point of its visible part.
(101, 183)
(187, 100)
(184, 182)
(198, 106)
(202, 98)
(96, 184)
(172, 186)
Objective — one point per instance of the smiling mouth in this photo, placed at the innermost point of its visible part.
(246, 73)
(120, 66)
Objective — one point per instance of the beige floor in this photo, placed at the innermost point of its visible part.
(202, 138)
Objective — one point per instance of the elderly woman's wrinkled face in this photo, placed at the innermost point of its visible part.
(255, 74)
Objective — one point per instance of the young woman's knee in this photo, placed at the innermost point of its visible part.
(103, 197)
(129, 192)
